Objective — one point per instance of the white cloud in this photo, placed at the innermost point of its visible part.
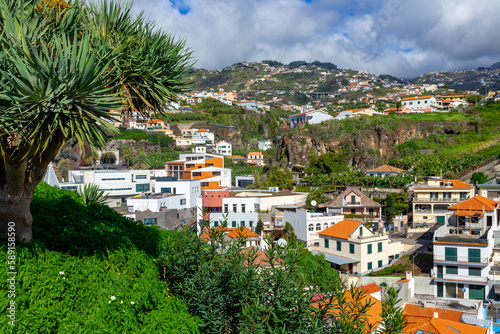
(399, 37)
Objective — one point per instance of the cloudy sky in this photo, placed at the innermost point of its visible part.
(399, 37)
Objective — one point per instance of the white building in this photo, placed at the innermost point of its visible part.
(419, 102)
(118, 184)
(265, 145)
(202, 137)
(156, 202)
(352, 247)
(191, 189)
(224, 148)
(463, 249)
(307, 224)
(309, 117)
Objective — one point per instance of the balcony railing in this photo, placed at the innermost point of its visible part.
(467, 278)
(462, 259)
(418, 199)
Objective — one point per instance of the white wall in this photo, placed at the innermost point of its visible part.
(154, 204)
(190, 188)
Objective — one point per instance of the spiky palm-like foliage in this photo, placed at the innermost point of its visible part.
(64, 69)
(92, 194)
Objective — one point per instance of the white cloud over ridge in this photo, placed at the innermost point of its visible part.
(399, 37)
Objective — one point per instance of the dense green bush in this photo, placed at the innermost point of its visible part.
(89, 270)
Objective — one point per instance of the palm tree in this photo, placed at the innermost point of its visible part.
(64, 69)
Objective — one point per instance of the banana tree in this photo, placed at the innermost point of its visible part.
(64, 68)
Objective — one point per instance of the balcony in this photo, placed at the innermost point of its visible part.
(461, 259)
(459, 278)
(437, 200)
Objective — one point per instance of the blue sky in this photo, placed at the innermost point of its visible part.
(399, 37)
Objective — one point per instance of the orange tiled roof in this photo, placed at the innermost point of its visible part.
(155, 121)
(386, 169)
(371, 288)
(341, 230)
(242, 232)
(254, 153)
(477, 203)
(441, 326)
(417, 97)
(202, 130)
(457, 184)
(261, 258)
(428, 312)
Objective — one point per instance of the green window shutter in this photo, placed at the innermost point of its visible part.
(327, 243)
(243, 223)
(216, 223)
(476, 291)
(379, 263)
(450, 254)
(351, 248)
(233, 223)
(360, 230)
(339, 246)
(440, 219)
(440, 289)
(474, 271)
(379, 247)
(452, 270)
(474, 255)
(369, 249)
(369, 266)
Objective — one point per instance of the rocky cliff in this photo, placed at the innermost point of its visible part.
(366, 146)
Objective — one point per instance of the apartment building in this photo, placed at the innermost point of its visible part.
(463, 249)
(307, 224)
(352, 247)
(208, 168)
(419, 102)
(118, 184)
(224, 148)
(432, 199)
(256, 158)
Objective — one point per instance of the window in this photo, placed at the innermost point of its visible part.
(370, 212)
(351, 248)
(447, 195)
(353, 211)
(183, 201)
(474, 255)
(440, 289)
(311, 227)
(339, 246)
(353, 199)
(226, 208)
(196, 173)
(318, 227)
(142, 187)
(396, 256)
(204, 184)
(369, 249)
(379, 263)
(235, 208)
(463, 195)
(149, 221)
(450, 254)
(141, 177)
(379, 247)
(243, 208)
(233, 223)
(474, 271)
(327, 243)
(370, 266)
(434, 195)
(452, 270)
(242, 223)
(166, 190)
(325, 226)
(361, 230)
(216, 223)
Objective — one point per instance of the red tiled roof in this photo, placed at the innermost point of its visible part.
(341, 230)
(242, 232)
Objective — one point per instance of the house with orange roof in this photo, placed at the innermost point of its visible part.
(385, 170)
(419, 102)
(432, 199)
(309, 117)
(350, 246)
(463, 249)
(202, 137)
(255, 157)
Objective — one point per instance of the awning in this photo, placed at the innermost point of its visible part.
(468, 213)
(335, 259)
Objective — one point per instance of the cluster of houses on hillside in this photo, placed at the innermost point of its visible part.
(349, 230)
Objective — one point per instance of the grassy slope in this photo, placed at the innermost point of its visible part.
(81, 257)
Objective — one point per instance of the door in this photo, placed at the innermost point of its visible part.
(476, 292)
(461, 291)
(350, 268)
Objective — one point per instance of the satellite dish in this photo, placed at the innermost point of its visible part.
(313, 203)
(281, 242)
